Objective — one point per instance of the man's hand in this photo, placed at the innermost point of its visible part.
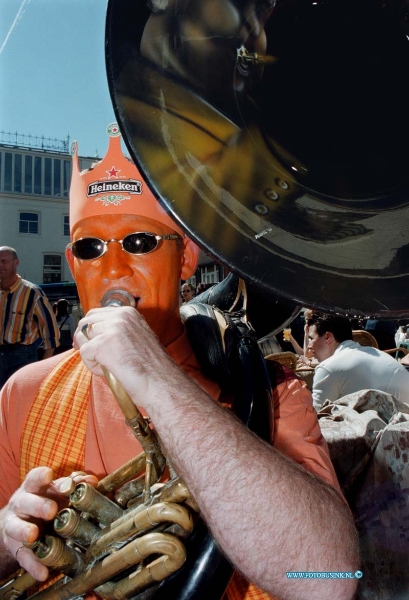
(120, 340)
(37, 500)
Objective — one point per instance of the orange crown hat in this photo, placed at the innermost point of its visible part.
(113, 187)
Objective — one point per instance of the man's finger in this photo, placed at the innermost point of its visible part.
(31, 564)
(37, 480)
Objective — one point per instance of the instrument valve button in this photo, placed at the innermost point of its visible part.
(261, 209)
(282, 184)
(271, 194)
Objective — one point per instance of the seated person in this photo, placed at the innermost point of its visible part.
(402, 335)
(345, 366)
(291, 338)
(305, 354)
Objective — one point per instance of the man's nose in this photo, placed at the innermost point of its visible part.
(116, 263)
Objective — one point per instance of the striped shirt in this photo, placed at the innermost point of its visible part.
(26, 316)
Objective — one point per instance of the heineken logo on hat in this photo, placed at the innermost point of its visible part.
(130, 186)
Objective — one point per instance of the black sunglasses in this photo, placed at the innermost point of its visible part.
(141, 242)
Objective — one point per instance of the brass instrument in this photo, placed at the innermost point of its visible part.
(139, 535)
(103, 540)
(275, 133)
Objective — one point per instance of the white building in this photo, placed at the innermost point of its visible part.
(34, 186)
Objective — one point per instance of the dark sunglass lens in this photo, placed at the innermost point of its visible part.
(88, 248)
(140, 243)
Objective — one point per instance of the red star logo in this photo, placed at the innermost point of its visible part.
(113, 172)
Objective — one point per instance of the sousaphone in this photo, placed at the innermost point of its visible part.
(276, 134)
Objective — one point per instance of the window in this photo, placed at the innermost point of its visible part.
(47, 176)
(37, 174)
(52, 268)
(18, 159)
(28, 174)
(210, 274)
(8, 163)
(28, 223)
(57, 177)
(67, 177)
(66, 225)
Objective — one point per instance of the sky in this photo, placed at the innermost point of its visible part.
(52, 71)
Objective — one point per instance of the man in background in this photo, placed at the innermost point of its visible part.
(26, 318)
(346, 367)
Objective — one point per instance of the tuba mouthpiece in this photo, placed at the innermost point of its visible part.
(118, 298)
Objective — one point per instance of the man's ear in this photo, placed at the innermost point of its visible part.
(70, 260)
(190, 258)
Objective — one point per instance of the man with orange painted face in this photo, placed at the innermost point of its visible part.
(272, 508)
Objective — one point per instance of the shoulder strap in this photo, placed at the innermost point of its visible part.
(63, 322)
(206, 327)
(226, 348)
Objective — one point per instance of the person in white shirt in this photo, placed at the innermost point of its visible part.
(401, 335)
(346, 367)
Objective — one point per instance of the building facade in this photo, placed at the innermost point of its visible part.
(34, 216)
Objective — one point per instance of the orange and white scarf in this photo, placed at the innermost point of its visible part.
(57, 420)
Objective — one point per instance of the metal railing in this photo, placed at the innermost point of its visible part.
(33, 141)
